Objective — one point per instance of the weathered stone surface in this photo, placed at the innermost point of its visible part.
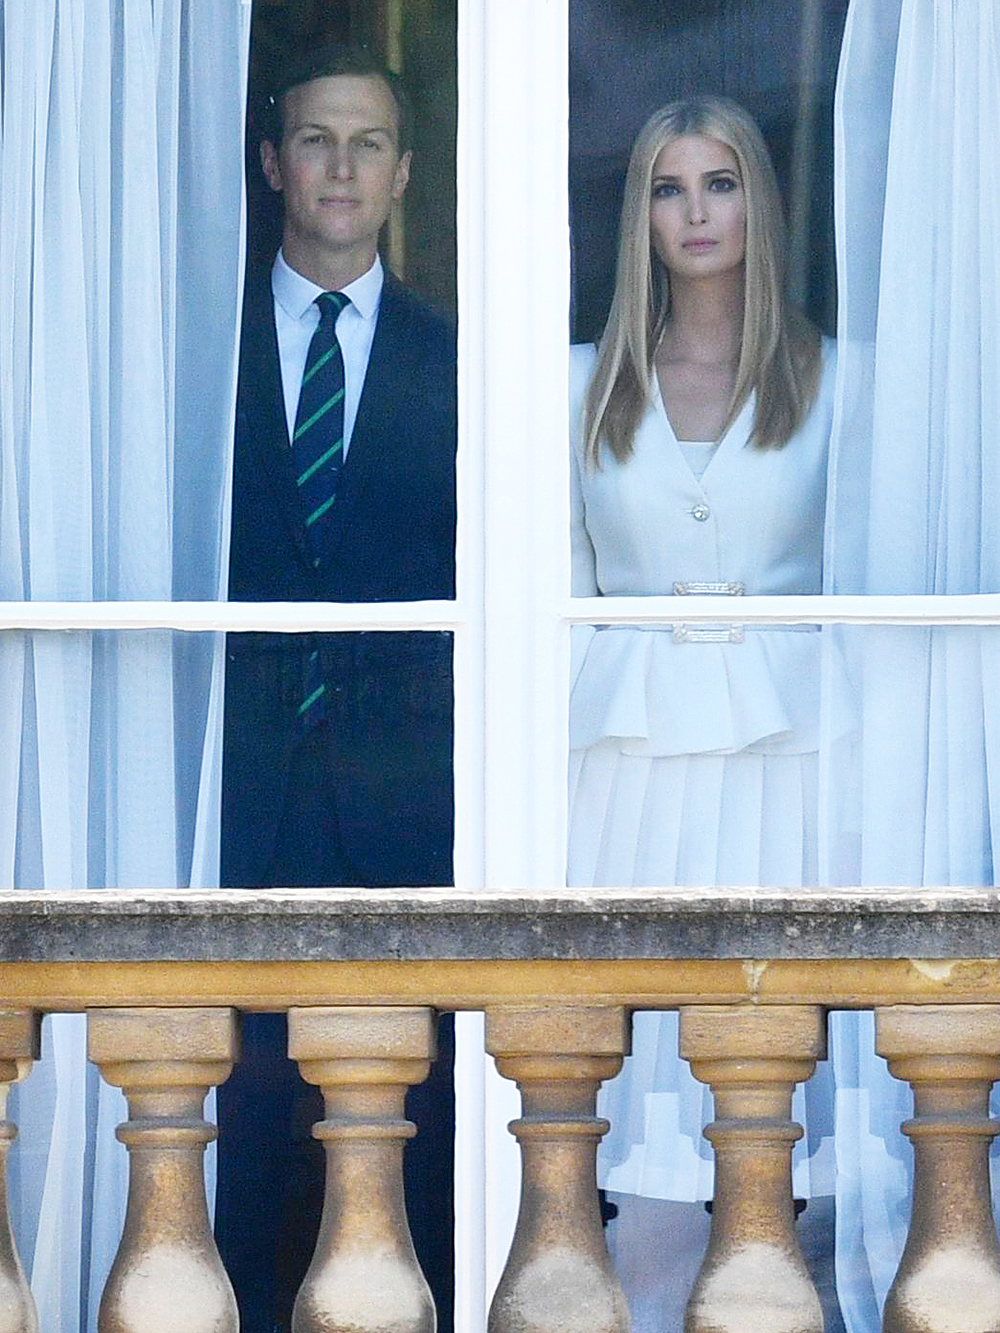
(754, 1276)
(557, 1029)
(558, 1277)
(949, 1276)
(361, 924)
(391, 1032)
(185, 1037)
(167, 1274)
(364, 1276)
(20, 1045)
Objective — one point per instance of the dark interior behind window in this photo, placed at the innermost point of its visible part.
(776, 57)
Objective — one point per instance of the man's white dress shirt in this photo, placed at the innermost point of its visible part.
(296, 318)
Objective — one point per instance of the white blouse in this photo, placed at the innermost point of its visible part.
(754, 521)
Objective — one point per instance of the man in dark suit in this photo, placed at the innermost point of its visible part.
(337, 764)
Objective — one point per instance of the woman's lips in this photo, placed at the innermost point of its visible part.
(699, 245)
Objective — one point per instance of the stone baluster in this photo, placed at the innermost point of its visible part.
(949, 1276)
(754, 1277)
(18, 1048)
(558, 1277)
(167, 1274)
(364, 1276)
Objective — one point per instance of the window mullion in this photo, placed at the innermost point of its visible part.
(513, 470)
(231, 617)
(511, 660)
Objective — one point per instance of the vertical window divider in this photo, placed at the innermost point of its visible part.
(512, 655)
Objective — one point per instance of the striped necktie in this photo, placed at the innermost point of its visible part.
(318, 438)
(317, 457)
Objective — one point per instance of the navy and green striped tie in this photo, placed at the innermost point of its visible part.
(317, 456)
(318, 439)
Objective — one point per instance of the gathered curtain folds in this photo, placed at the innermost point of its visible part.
(913, 797)
(122, 227)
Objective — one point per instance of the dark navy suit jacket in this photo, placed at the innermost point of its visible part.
(389, 695)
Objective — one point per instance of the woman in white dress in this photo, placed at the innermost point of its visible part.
(701, 426)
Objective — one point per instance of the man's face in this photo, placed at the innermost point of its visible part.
(339, 169)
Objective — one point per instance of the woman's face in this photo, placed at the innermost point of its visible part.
(697, 207)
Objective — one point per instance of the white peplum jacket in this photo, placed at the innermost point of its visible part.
(754, 520)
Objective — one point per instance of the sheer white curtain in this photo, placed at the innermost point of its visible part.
(121, 244)
(914, 507)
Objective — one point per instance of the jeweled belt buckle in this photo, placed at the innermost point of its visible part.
(708, 633)
(708, 589)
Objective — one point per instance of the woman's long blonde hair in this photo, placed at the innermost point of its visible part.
(779, 350)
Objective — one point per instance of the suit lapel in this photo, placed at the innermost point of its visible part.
(262, 421)
(381, 410)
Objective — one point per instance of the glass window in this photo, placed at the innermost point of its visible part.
(914, 414)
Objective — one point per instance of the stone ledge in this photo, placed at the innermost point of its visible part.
(427, 924)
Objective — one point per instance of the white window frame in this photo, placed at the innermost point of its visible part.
(512, 614)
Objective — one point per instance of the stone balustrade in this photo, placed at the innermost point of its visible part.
(163, 978)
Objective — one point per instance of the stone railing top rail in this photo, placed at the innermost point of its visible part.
(300, 925)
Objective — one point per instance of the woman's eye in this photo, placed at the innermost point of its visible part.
(665, 189)
(722, 184)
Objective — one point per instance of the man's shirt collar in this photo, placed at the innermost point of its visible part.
(295, 294)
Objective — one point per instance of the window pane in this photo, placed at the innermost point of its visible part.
(122, 310)
(679, 488)
(701, 471)
(419, 40)
(631, 57)
(851, 755)
(700, 443)
(338, 760)
(113, 759)
(344, 486)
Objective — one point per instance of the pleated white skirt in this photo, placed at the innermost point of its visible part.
(689, 820)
